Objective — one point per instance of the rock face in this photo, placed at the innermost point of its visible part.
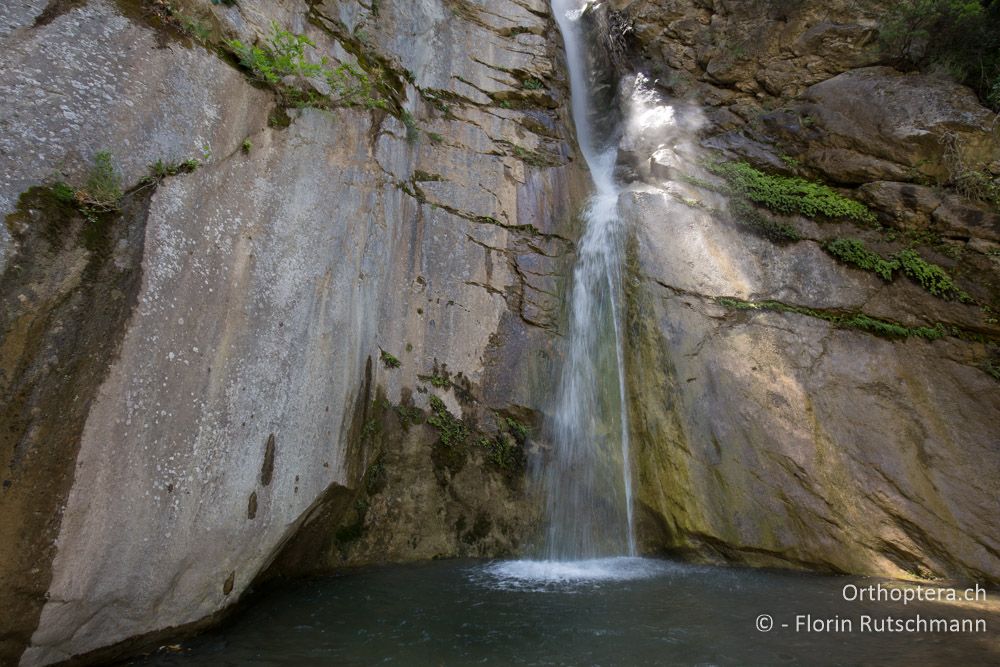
(183, 390)
(321, 334)
(772, 426)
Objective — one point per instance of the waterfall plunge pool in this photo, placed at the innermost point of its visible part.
(620, 611)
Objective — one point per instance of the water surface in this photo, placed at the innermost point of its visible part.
(626, 611)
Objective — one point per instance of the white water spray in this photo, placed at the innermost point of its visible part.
(588, 482)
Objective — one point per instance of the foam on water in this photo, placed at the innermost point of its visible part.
(555, 575)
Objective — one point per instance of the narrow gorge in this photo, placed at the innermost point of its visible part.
(620, 299)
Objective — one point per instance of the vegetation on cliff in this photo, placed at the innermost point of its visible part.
(961, 37)
(281, 62)
(784, 194)
(930, 276)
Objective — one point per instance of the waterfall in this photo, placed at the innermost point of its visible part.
(586, 479)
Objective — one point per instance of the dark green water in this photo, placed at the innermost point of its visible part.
(614, 612)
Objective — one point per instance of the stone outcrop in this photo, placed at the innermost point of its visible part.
(318, 334)
(772, 426)
(184, 391)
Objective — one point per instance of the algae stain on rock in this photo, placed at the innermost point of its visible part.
(65, 297)
(267, 467)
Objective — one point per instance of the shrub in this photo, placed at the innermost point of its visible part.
(959, 36)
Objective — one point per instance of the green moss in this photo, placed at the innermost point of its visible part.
(859, 321)
(388, 360)
(854, 252)
(789, 195)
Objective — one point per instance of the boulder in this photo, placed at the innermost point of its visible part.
(877, 123)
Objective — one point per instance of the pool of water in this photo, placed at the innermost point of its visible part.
(627, 611)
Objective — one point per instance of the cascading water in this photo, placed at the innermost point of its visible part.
(586, 480)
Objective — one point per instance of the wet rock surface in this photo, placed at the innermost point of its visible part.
(774, 427)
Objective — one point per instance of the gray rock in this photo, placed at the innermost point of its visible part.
(876, 124)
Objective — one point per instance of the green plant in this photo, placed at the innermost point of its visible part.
(196, 28)
(789, 195)
(160, 169)
(853, 251)
(409, 415)
(517, 429)
(453, 432)
(388, 360)
(889, 329)
(503, 451)
(436, 381)
(370, 429)
(246, 147)
(790, 162)
(977, 185)
(101, 192)
(533, 84)
(412, 131)
(435, 137)
(746, 215)
(282, 63)
(860, 321)
(931, 277)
